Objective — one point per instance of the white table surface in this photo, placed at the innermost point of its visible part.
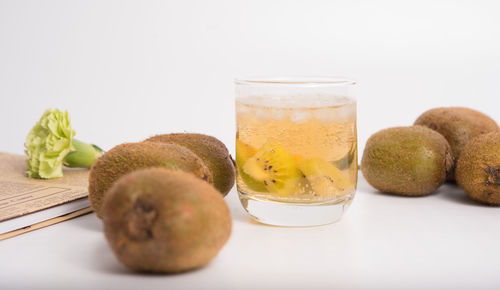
(126, 70)
(439, 241)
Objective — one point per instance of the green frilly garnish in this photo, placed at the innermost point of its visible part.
(50, 145)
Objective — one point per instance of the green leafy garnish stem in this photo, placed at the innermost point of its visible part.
(84, 155)
(50, 145)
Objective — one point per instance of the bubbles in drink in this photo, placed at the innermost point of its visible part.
(299, 115)
(297, 152)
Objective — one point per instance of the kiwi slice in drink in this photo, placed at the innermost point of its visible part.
(243, 153)
(345, 162)
(275, 167)
(325, 178)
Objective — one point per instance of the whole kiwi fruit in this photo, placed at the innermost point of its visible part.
(411, 161)
(160, 220)
(128, 157)
(458, 125)
(212, 151)
(478, 168)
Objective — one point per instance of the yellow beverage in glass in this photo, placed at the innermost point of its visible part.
(296, 149)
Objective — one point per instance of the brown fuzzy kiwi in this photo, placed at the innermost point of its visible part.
(478, 168)
(128, 157)
(159, 220)
(458, 125)
(212, 151)
(410, 161)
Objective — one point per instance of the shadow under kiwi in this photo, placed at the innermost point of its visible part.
(237, 210)
(89, 222)
(395, 195)
(104, 261)
(453, 192)
(240, 215)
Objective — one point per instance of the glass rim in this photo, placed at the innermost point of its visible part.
(295, 81)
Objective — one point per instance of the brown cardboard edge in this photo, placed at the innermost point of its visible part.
(45, 223)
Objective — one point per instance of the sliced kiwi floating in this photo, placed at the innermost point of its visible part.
(345, 162)
(275, 167)
(325, 178)
(243, 153)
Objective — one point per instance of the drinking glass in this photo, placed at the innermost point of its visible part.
(296, 148)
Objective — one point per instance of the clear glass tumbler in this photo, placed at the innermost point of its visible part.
(296, 149)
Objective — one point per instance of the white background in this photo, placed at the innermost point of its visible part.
(126, 70)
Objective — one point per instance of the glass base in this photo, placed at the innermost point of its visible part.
(294, 214)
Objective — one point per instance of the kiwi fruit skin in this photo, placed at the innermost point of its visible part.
(410, 161)
(128, 157)
(478, 168)
(458, 125)
(212, 151)
(165, 221)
